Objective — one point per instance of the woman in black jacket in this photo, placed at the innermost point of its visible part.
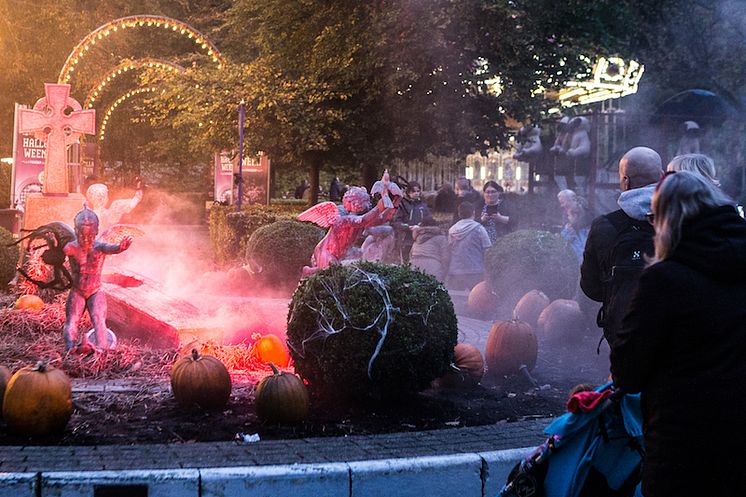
(683, 343)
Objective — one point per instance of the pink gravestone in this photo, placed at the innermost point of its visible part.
(58, 120)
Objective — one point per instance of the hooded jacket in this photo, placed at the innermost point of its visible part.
(430, 251)
(683, 345)
(596, 263)
(467, 240)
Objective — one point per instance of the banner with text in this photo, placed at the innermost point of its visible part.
(224, 178)
(255, 179)
(28, 164)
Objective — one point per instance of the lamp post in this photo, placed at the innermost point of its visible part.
(240, 153)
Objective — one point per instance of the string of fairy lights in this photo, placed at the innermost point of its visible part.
(100, 34)
(124, 67)
(117, 102)
(131, 22)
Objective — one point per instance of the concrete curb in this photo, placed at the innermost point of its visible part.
(471, 474)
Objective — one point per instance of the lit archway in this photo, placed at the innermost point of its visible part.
(117, 103)
(132, 22)
(124, 67)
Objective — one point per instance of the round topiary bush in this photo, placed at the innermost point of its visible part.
(370, 329)
(529, 259)
(280, 250)
(8, 257)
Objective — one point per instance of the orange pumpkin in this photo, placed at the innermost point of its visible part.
(270, 348)
(469, 364)
(4, 378)
(200, 380)
(561, 322)
(481, 300)
(510, 345)
(38, 401)
(281, 398)
(29, 303)
(529, 307)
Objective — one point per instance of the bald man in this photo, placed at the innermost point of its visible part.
(614, 254)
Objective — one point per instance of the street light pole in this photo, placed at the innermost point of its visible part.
(240, 153)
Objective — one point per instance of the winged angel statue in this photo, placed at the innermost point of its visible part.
(345, 229)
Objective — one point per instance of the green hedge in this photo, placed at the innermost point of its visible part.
(230, 230)
(530, 260)
(281, 249)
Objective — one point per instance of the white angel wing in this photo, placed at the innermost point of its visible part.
(394, 189)
(324, 214)
(378, 187)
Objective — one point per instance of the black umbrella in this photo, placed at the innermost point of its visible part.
(701, 106)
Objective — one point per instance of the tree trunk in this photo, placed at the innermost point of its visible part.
(371, 174)
(313, 162)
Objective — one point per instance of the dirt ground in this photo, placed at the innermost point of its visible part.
(125, 396)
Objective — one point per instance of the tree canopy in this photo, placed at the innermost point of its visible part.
(355, 83)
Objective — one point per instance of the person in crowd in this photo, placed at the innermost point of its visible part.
(379, 244)
(696, 163)
(467, 241)
(430, 250)
(578, 219)
(335, 190)
(300, 190)
(412, 210)
(464, 193)
(617, 242)
(445, 199)
(683, 342)
(494, 213)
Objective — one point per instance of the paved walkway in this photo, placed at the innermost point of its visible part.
(500, 436)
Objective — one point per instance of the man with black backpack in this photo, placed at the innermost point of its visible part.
(618, 242)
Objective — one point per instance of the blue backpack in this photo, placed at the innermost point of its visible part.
(596, 453)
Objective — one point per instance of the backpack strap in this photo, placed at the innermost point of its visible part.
(621, 221)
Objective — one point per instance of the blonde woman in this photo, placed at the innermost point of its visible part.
(683, 343)
(695, 163)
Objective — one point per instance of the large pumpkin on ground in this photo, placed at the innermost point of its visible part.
(510, 345)
(200, 380)
(482, 300)
(529, 307)
(270, 348)
(281, 398)
(470, 364)
(4, 378)
(561, 322)
(38, 401)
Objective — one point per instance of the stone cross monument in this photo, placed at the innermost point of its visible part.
(58, 120)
